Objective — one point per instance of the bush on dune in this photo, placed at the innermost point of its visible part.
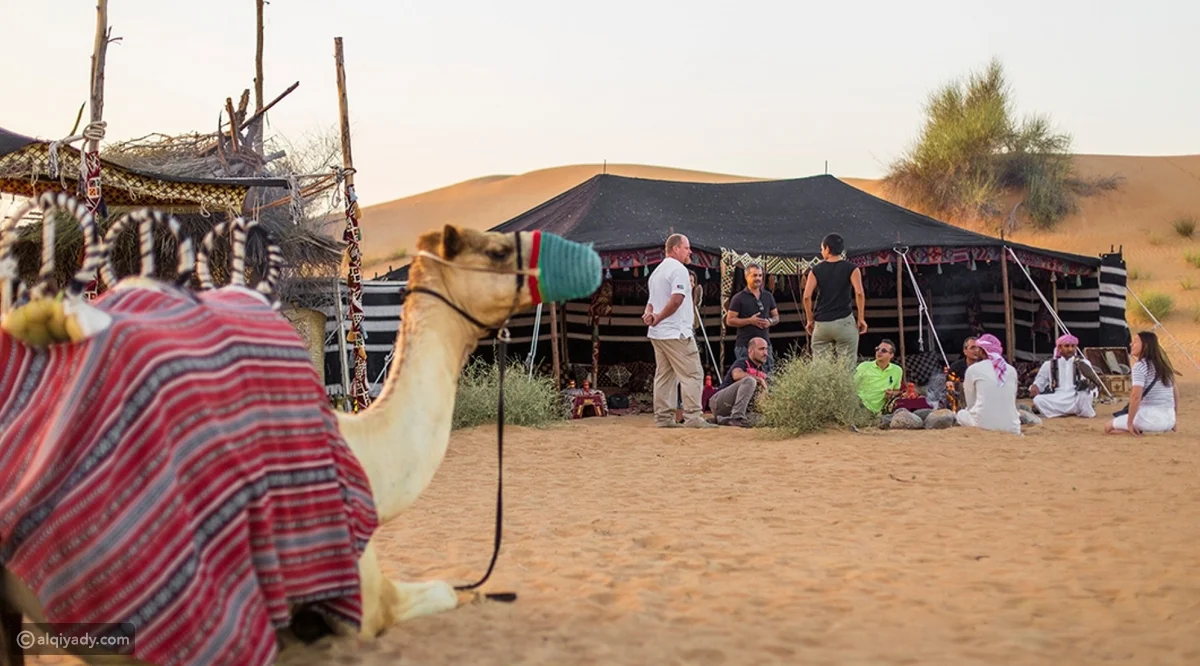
(972, 150)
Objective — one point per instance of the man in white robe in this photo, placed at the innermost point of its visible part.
(1055, 391)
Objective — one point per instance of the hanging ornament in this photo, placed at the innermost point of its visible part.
(706, 276)
(939, 268)
(607, 274)
(1078, 280)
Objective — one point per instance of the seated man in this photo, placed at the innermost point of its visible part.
(957, 371)
(879, 380)
(1060, 389)
(990, 391)
(737, 389)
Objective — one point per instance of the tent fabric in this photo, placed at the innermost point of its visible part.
(777, 218)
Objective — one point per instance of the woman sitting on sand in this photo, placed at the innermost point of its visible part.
(990, 391)
(1155, 396)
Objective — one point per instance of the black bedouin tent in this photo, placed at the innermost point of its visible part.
(969, 282)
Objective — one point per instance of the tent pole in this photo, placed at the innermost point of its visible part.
(1009, 333)
(900, 308)
(554, 344)
(1054, 302)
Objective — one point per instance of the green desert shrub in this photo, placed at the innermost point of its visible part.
(527, 401)
(972, 150)
(1185, 226)
(808, 395)
(1158, 303)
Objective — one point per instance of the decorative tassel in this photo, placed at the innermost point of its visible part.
(607, 274)
(706, 276)
(1078, 280)
(939, 268)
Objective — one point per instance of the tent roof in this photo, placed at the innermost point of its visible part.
(776, 217)
(24, 159)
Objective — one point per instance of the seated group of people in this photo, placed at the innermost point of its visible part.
(981, 387)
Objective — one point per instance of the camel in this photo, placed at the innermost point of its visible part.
(462, 284)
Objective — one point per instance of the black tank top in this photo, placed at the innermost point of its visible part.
(835, 298)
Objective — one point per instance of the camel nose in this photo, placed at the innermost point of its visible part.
(569, 270)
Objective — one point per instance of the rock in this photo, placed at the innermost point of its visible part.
(940, 419)
(902, 419)
(1025, 408)
(885, 420)
(1029, 418)
(923, 413)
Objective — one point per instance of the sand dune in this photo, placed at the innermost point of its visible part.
(482, 203)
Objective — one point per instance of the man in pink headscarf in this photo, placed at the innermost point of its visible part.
(990, 390)
(1059, 389)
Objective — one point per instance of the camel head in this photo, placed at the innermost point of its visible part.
(491, 275)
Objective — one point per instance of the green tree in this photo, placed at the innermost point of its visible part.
(972, 150)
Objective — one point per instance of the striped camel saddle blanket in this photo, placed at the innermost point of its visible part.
(181, 472)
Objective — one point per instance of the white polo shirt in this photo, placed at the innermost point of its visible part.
(670, 278)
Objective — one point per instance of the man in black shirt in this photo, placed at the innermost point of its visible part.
(752, 311)
(831, 325)
(731, 402)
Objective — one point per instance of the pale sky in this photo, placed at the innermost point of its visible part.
(442, 92)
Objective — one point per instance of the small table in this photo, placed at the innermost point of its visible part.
(590, 402)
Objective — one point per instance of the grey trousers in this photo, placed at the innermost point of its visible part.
(732, 401)
(839, 336)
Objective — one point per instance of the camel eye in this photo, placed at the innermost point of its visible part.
(499, 254)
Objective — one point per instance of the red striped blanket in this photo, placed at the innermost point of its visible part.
(182, 472)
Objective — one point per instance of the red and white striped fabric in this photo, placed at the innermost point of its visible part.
(182, 472)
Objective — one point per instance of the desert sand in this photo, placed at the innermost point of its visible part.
(628, 544)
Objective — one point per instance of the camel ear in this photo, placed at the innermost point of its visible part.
(452, 242)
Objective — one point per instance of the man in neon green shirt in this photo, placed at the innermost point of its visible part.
(878, 380)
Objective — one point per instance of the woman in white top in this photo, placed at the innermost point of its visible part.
(1152, 404)
(990, 391)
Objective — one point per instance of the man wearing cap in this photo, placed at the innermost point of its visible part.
(1057, 390)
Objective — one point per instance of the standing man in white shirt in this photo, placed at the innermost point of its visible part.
(676, 356)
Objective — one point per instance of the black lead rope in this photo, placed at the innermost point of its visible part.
(503, 337)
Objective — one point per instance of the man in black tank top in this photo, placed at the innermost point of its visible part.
(832, 325)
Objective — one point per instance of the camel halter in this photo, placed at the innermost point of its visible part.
(503, 336)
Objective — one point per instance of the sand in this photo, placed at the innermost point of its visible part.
(629, 544)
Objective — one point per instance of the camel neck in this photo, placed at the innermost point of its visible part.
(402, 437)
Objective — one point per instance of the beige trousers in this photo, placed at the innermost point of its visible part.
(677, 362)
(838, 337)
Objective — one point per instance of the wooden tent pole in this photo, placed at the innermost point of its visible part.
(89, 154)
(1009, 332)
(359, 389)
(900, 308)
(554, 346)
(1054, 302)
(257, 139)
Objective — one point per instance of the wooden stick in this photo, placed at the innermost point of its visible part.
(233, 124)
(900, 309)
(554, 345)
(353, 237)
(257, 139)
(258, 114)
(258, 59)
(1009, 332)
(1054, 302)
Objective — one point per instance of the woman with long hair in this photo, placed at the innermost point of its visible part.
(1154, 400)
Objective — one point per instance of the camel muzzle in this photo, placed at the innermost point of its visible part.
(566, 270)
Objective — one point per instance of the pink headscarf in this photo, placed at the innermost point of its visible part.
(1065, 339)
(994, 350)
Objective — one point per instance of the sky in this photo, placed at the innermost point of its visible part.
(441, 92)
